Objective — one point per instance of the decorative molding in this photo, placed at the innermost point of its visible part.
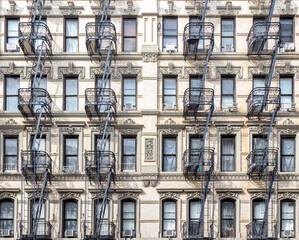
(128, 194)
(197, 70)
(150, 57)
(13, 10)
(66, 195)
(260, 194)
(260, 8)
(95, 9)
(48, 71)
(287, 69)
(288, 131)
(228, 194)
(192, 195)
(261, 69)
(129, 121)
(8, 194)
(286, 8)
(129, 10)
(228, 9)
(150, 180)
(170, 70)
(196, 9)
(10, 122)
(171, 8)
(229, 69)
(173, 195)
(96, 71)
(169, 121)
(119, 71)
(71, 9)
(71, 70)
(229, 129)
(149, 149)
(170, 131)
(11, 132)
(71, 129)
(288, 122)
(288, 195)
(11, 70)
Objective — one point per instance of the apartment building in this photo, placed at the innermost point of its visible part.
(149, 119)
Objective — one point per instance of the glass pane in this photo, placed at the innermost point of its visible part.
(169, 86)
(70, 225)
(227, 228)
(169, 209)
(286, 102)
(169, 146)
(129, 86)
(98, 205)
(169, 164)
(129, 146)
(42, 144)
(258, 210)
(71, 146)
(71, 103)
(287, 211)
(226, 41)
(227, 86)
(71, 86)
(11, 146)
(6, 209)
(106, 146)
(129, 44)
(170, 24)
(34, 206)
(227, 163)
(128, 225)
(196, 143)
(228, 210)
(12, 104)
(70, 210)
(286, 26)
(195, 209)
(169, 40)
(170, 100)
(131, 100)
(40, 83)
(288, 146)
(227, 102)
(129, 163)
(12, 27)
(286, 86)
(129, 27)
(195, 82)
(228, 145)
(12, 85)
(13, 40)
(128, 210)
(259, 143)
(168, 225)
(287, 225)
(258, 82)
(71, 27)
(227, 27)
(71, 45)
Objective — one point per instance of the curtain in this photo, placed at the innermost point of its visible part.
(228, 151)
(287, 216)
(71, 35)
(11, 154)
(258, 210)
(169, 215)
(128, 216)
(227, 218)
(6, 215)
(288, 151)
(70, 215)
(195, 210)
(169, 161)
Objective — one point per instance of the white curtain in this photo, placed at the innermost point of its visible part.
(169, 215)
(194, 210)
(228, 150)
(287, 212)
(288, 150)
(70, 214)
(71, 35)
(128, 216)
(6, 212)
(169, 163)
(258, 210)
(11, 154)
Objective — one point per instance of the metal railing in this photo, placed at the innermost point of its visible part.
(43, 231)
(99, 101)
(32, 99)
(102, 161)
(198, 160)
(198, 37)
(260, 97)
(193, 229)
(99, 35)
(31, 36)
(257, 230)
(259, 159)
(107, 231)
(39, 161)
(259, 34)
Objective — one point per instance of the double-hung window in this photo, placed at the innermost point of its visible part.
(71, 34)
(71, 94)
(258, 215)
(227, 93)
(41, 221)
(7, 216)
(97, 215)
(169, 154)
(12, 85)
(228, 153)
(227, 34)
(128, 221)
(70, 153)
(288, 154)
(70, 218)
(129, 154)
(10, 154)
(129, 35)
(227, 219)
(169, 216)
(12, 36)
(169, 93)
(129, 94)
(286, 93)
(194, 214)
(170, 34)
(286, 24)
(287, 218)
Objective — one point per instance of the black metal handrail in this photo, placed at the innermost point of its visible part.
(102, 160)
(100, 96)
(40, 160)
(257, 230)
(32, 31)
(107, 231)
(193, 229)
(99, 35)
(198, 96)
(201, 157)
(43, 231)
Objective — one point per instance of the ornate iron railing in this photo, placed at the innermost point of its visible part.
(38, 161)
(43, 231)
(107, 231)
(257, 230)
(193, 229)
(198, 160)
(99, 162)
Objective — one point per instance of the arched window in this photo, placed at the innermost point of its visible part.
(97, 214)
(169, 218)
(227, 218)
(70, 218)
(128, 218)
(287, 219)
(6, 217)
(194, 214)
(38, 217)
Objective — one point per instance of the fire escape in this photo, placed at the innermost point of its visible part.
(264, 102)
(35, 104)
(100, 103)
(199, 102)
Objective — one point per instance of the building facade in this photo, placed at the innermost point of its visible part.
(151, 194)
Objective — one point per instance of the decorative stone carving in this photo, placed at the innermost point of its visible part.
(149, 149)
(130, 10)
(71, 70)
(287, 69)
(71, 9)
(171, 8)
(228, 194)
(95, 9)
(71, 129)
(196, 9)
(260, 9)
(8, 194)
(169, 121)
(150, 57)
(11, 132)
(11, 122)
(288, 131)
(165, 195)
(259, 70)
(12, 7)
(149, 180)
(229, 70)
(286, 8)
(192, 195)
(228, 9)
(254, 195)
(129, 131)
(288, 122)
(66, 195)
(261, 129)
(171, 70)
(198, 70)
(11, 69)
(98, 71)
(129, 122)
(128, 194)
(288, 195)
(48, 71)
(170, 131)
(126, 70)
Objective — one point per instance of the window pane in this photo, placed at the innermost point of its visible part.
(12, 27)
(129, 145)
(259, 143)
(71, 146)
(288, 146)
(6, 209)
(258, 210)
(71, 45)
(228, 27)
(71, 103)
(130, 100)
(227, 101)
(227, 86)
(34, 205)
(195, 82)
(226, 41)
(71, 86)
(228, 210)
(129, 44)
(70, 211)
(196, 143)
(129, 27)
(287, 225)
(71, 28)
(169, 86)
(169, 145)
(170, 99)
(169, 209)
(12, 103)
(129, 86)
(258, 82)
(12, 85)
(170, 40)
(287, 210)
(286, 85)
(11, 146)
(228, 145)
(194, 209)
(170, 24)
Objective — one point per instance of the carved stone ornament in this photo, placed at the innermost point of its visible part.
(285, 8)
(133, 131)
(128, 194)
(170, 70)
(99, 71)
(10, 122)
(129, 9)
(11, 69)
(229, 129)
(228, 194)
(228, 9)
(11, 132)
(71, 129)
(149, 57)
(254, 195)
(288, 122)
(97, 195)
(261, 69)
(129, 121)
(287, 69)
(95, 9)
(261, 8)
(195, 71)
(192, 195)
(261, 129)
(169, 121)
(119, 71)
(288, 131)
(71, 70)
(8, 194)
(48, 71)
(12, 7)
(229, 69)
(288, 195)
(66, 195)
(170, 131)
(149, 149)
(196, 9)
(149, 180)
(171, 8)
(173, 195)
(71, 9)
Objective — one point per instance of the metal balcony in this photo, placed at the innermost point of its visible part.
(35, 163)
(262, 160)
(198, 161)
(99, 162)
(262, 101)
(107, 232)
(31, 37)
(33, 100)
(198, 100)
(44, 231)
(98, 101)
(99, 37)
(194, 230)
(198, 38)
(257, 230)
(263, 38)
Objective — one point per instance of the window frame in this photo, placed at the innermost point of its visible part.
(287, 95)
(64, 219)
(293, 27)
(65, 96)
(234, 155)
(5, 95)
(128, 37)
(234, 33)
(234, 219)
(122, 217)
(64, 150)
(7, 18)
(125, 95)
(176, 152)
(4, 150)
(32, 218)
(293, 219)
(165, 36)
(128, 155)
(95, 202)
(66, 37)
(13, 215)
(163, 218)
(169, 95)
(281, 155)
(228, 95)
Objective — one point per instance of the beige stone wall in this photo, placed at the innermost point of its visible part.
(149, 185)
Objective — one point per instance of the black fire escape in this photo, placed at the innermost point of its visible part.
(199, 103)
(35, 104)
(264, 103)
(100, 103)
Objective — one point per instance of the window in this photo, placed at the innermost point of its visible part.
(71, 35)
(195, 142)
(227, 34)
(129, 44)
(227, 93)
(169, 154)
(12, 85)
(288, 154)
(228, 153)
(286, 24)
(128, 215)
(105, 224)
(169, 216)
(169, 93)
(129, 94)
(10, 154)
(98, 142)
(195, 82)
(70, 153)
(287, 217)
(41, 225)
(71, 94)
(40, 82)
(129, 154)
(70, 216)
(286, 92)
(227, 218)
(194, 214)
(258, 81)
(42, 143)
(12, 36)
(258, 215)
(7, 215)
(170, 34)
(194, 29)
(98, 82)
(259, 142)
